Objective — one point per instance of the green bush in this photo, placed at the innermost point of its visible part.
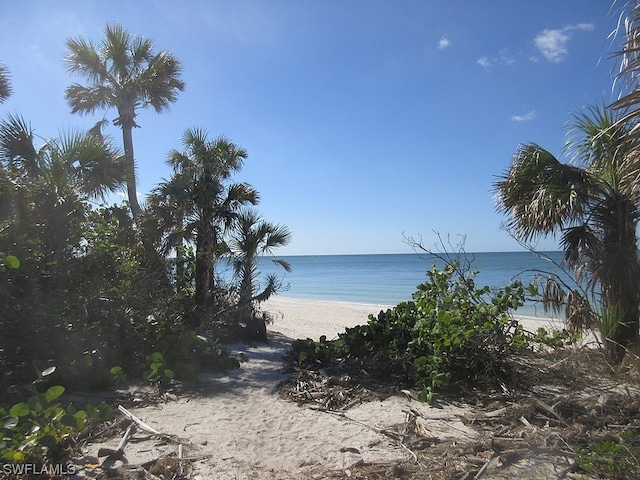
(611, 459)
(451, 330)
(36, 428)
(182, 354)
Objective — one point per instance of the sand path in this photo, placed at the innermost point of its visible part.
(239, 427)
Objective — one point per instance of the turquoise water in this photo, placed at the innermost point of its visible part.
(388, 279)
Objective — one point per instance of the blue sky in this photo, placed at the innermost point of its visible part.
(364, 120)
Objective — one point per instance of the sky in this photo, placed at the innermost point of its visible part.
(365, 121)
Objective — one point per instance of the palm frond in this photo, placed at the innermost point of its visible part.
(5, 85)
(16, 144)
(579, 315)
(539, 193)
(161, 81)
(241, 193)
(283, 263)
(579, 242)
(273, 286)
(86, 100)
(97, 166)
(83, 58)
(597, 137)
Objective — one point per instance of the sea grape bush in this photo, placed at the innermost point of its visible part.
(450, 330)
(182, 354)
(36, 428)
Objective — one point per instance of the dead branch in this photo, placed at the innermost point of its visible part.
(139, 422)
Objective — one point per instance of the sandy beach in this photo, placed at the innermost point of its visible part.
(236, 426)
(302, 318)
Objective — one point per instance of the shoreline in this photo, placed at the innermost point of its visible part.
(310, 318)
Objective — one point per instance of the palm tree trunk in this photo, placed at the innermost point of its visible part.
(625, 336)
(245, 313)
(127, 141)
(203, 283)
(180, 271)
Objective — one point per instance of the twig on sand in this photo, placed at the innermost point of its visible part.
(119, 452)
(387, 433)
(482, 471)
(140, 423)
(547, 408)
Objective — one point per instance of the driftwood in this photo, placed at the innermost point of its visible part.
(140, 423)
(118, 454)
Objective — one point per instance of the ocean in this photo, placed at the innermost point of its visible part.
(388, 279)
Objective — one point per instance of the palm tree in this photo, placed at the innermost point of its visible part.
(44, 192)
(169, 204)
(124, 73)
(5, 86)
(252, 238)
(44, 188)
(206, 204)
(594, 203)
(629, 65)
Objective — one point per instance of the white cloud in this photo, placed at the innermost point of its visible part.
(444, 43)
(503, 58)
(484, 62)
(553, 43)
(530, 115)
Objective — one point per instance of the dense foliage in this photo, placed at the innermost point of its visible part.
(93, 294)
(593, 202)
(450, 331)
(36, 426)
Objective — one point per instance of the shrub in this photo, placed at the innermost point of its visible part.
(451, 330)
(610, 458)
(181, 354)
(36, 428)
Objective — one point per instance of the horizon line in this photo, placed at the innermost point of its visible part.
(405, 253)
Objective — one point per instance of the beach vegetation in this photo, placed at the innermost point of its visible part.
(45, 195)
(451, 331)
(592, 201)
(5, 84)
(123, 73)
(98, 293)
(200, 205)
(254, 237)
(36, 426)
(615, 458)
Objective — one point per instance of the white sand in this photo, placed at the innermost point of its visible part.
(243, 429)
(302, 318)
(297, 318)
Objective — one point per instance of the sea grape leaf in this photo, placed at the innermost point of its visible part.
(12, 261)
(20, 410)
(10, 421)
(54, 392)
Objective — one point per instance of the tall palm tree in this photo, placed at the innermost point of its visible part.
(125, 74)
(594, 203)
(5, 86)
(252, 238)
(207, 203)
